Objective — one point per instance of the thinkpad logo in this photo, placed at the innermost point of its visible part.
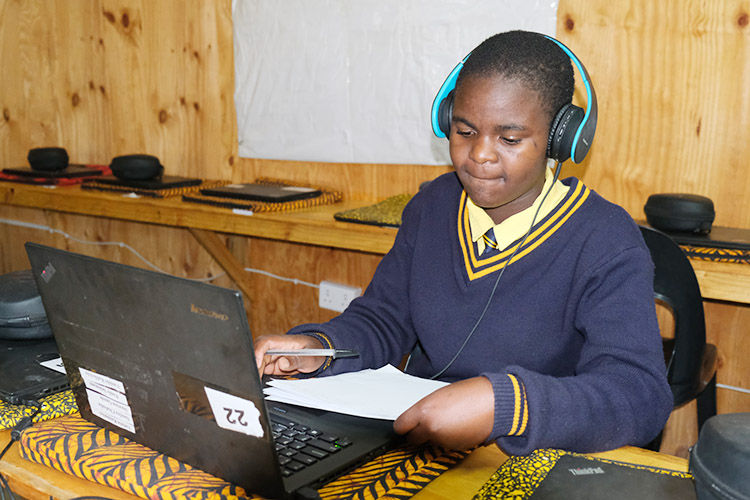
(586, 471)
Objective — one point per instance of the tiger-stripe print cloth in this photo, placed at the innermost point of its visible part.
(394, 476)
(732, 255)
(78, 447)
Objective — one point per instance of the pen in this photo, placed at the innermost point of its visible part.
(334, 353)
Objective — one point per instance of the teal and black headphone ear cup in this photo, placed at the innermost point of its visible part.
(563, 132)
(442, 106)
(445, 114)
(573, 129)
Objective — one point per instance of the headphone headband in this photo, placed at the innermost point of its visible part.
(572, 130)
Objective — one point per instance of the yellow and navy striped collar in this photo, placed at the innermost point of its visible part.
(515, 226)
(478, 266)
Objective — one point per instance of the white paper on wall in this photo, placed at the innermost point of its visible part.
(354, 80)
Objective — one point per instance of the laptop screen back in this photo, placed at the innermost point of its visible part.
(165, 361)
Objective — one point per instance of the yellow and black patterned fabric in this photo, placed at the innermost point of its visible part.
(384, 213)
(327, 196)
(735, 256)
(80, 448)
(53, 406)
(168, 191)
(397, 475)
(520, 476)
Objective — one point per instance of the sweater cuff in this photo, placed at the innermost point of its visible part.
(327, 344)
(511, 409)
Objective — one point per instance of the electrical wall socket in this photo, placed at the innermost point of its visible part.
(335, 296)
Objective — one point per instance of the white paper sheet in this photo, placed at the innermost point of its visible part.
(384, 393)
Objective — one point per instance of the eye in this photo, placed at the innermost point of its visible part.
(510, 140)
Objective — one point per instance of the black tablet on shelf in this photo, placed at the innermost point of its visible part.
(262, 192)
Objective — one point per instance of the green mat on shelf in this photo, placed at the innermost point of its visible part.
(383, 213)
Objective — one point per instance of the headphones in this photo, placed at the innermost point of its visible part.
(572, 130)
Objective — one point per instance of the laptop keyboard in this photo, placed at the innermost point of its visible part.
(298, 446)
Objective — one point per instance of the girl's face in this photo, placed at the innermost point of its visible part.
(498, 144)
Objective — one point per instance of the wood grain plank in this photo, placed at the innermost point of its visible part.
(673, 99)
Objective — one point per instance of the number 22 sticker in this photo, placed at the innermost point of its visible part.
(234, 414)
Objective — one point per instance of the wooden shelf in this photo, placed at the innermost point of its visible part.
(723, 280)
(311, 226)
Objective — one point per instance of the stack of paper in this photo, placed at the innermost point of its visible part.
(384, 393)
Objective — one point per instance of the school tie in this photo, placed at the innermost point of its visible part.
(490, 243)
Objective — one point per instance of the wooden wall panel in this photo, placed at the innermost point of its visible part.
(674, 101)
(171, 250)
(104, 78)
(279, 305)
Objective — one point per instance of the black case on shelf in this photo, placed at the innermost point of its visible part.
(680, 212)
(22, 315)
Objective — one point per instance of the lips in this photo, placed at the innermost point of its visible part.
(499, 177)
(484, 173)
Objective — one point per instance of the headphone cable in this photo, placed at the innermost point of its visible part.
(558, 166)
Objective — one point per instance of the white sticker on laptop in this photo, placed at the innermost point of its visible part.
(54, 364)
(106, 386)
(234, 414)
(107, 399)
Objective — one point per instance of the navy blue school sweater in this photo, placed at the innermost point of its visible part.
(570, 340)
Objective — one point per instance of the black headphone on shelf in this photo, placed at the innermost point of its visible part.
(572, 130)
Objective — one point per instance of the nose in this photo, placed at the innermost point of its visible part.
(483, 151)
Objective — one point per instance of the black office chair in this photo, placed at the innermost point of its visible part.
(691, 362)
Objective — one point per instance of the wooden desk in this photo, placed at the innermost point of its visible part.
(723, 281)
(312, 226)
(38, 482)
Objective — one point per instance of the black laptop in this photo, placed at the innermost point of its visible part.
(28, 371)
(168, 362)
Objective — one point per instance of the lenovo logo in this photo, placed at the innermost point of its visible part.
(207, 312)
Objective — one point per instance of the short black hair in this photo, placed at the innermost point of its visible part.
(529, 58)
